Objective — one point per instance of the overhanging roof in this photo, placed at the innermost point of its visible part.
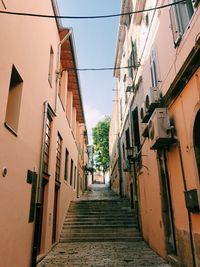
(68, 61)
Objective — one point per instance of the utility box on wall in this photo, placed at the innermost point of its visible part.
(192, 200)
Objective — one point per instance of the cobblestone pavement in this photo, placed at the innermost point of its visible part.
(103, 254)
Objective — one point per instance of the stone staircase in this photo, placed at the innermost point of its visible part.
(109, 219)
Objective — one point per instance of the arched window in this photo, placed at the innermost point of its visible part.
(196, 139)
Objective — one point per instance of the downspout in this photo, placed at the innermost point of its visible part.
(119, 167)
(58, 66)
(36, 237)
(189, 214)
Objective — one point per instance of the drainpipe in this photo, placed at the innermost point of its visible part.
(189, 214)
(36, 237)
(58, 65)
(119, 167)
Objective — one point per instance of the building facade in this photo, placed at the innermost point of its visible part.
(42, 126)
(154, 143)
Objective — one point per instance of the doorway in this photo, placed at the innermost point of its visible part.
(55, 211)
(41, 216)
(196, 140)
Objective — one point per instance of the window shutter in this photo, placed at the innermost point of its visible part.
(134, 54)
(175, 26)
(153, 69)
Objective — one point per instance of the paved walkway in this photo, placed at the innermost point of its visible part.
(102, 254)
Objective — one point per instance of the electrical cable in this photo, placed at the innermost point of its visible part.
(97, 69)
(88, 17)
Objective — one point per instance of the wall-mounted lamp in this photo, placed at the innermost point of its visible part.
(132, 153)
(4, 171)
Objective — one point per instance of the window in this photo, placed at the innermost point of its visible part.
(71, 172)
(47, 144)
(63, 88)
(132, 61)
(14, 101)
(74, 177)
(58, 157)
(136, 132)
(50, 74)
(127, 138)
(66, 164)
(125, 92)
(123, 151)
(120, 103)
(153, 69)
(129, 16)
(180, 16)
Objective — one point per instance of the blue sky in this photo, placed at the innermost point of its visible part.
(95, 42)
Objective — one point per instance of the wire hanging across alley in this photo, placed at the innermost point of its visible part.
(97, 69)
(88, 17)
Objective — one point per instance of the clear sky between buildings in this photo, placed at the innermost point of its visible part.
(95, 41)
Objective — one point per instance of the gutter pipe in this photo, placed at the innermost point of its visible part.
(36, 236)
(58, 65)
(192, 244)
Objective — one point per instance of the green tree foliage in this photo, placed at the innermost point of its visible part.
(100, 135)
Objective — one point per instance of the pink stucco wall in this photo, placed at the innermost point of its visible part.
(25, 42)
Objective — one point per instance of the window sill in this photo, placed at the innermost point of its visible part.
(10, 129)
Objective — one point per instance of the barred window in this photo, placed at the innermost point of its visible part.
(75, 177)
(71, 172)
(66, 164)
(47, 144)
(58, 157)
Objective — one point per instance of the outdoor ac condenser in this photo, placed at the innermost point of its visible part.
(152, 101)
(160, 133)
(126, 166)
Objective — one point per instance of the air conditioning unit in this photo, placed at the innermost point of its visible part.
(135, 152)
(144, 130)
(152, 101)
(144, 115)
(126, 166)
(159, 129)
(129, 84)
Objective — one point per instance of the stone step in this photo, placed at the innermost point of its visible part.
(101, 239)
(103, 212)
(131, 226)
(100, 220)
(99, 231)
(100, 217)
(100, 205)
(95, 235)
(82, 216)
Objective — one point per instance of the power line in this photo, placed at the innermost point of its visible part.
(87, 17)
(97, 69)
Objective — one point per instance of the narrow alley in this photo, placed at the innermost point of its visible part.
(100, 230)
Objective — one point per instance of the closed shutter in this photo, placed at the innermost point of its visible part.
(175, 26)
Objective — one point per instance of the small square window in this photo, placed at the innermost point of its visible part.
(14, 100)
